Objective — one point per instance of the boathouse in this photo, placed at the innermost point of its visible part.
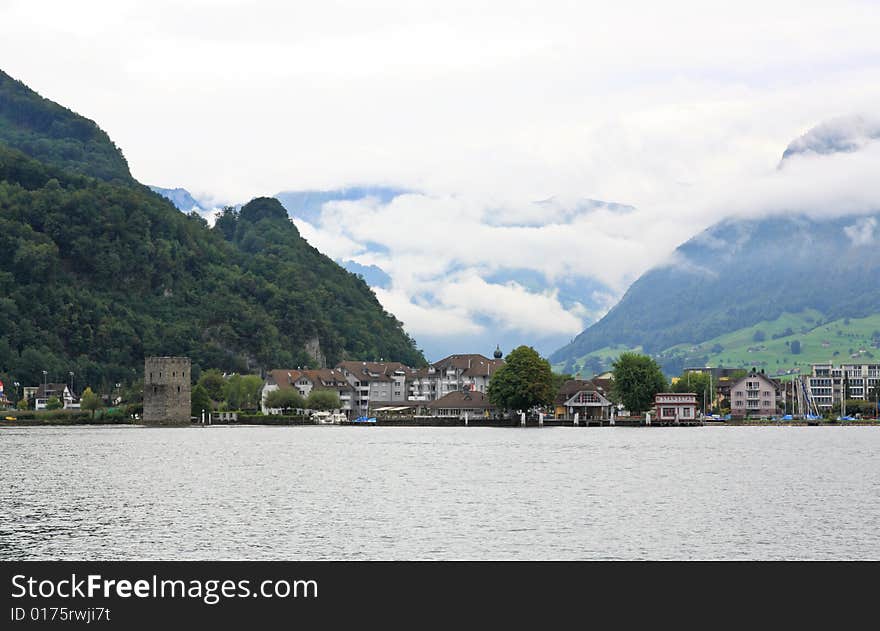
(675, 407)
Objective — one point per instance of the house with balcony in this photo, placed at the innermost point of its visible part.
(376, 383)
(455, 373)
(754, 395)
(829, 384)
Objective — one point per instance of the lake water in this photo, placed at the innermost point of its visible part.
(439, 493)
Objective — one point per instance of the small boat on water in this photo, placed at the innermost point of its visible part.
(328, 418)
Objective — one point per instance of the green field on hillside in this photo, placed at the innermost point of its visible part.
(771, 345)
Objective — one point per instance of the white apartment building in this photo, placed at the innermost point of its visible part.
(827, 382)
(453, 374)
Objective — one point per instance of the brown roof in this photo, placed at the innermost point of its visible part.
(571, 388)
(283, 377)
(462, 399)
(604, 385)
(320, 378)
(373, 371)
(773, 382)
(471, 365)
(421, 373)
(51, 389)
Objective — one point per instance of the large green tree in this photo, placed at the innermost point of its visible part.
(696, 382)
(285, 399)
(323, 400)
(213, 382)
(559, 380)
(637, 378)
(200, 401)
(523, 382)
(90, 401)
(242, 392)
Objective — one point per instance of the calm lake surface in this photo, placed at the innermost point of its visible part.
(440, 493)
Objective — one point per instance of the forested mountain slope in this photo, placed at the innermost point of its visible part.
(97, 271)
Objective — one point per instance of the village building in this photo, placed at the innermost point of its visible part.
(755, 394)
(61, 391)
(584, 399)
(375, 383)
(4, 402)
(462, 404)
(453, 374)
(829, 385)
(306, 380)
(675, 407)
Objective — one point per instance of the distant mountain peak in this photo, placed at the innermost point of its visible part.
(844, 134)
(180, 197)
(740, 272)
(306, 205)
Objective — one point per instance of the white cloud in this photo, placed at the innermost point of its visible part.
(680, 109)
(511, 306)
(862, 232)
(428, 319)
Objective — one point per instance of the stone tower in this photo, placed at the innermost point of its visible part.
(167, 391)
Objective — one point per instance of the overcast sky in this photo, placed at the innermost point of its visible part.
(680, 109)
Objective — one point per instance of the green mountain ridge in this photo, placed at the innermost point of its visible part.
(736, 275)
(51, 133)
(764, 345)
(97, 271)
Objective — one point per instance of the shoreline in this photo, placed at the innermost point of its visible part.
(79, 423)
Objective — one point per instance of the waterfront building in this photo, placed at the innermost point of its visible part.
(167, 390)
(756, 394)
(453, 374)
(375, 383)
(461, 403)
(44, 392)
(306, 380)
(829, 384)
(584, 398)
(675, 407)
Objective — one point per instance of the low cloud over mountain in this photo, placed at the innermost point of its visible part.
(840, 135)
(801, 238)
(463, 272)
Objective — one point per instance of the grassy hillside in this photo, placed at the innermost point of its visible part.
(769, 344)
(741, 273)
